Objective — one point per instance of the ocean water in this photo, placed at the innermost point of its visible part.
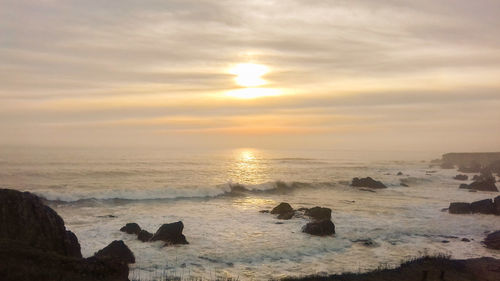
(97, 191)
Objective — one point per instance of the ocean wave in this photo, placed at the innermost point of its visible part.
(227, 189)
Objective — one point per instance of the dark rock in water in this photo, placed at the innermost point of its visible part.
(482, 206)
(144, 236)
(107, 216)
(492, 241)
(482, 185)
(319, 213)
(447, 165)
(367, 182)
(35, 245)
(171, 233)
(400, 173)
(278, 222)
(117, 251)
(445, 241)
(461, 177)
(496, 203)
(460, 208)
(24, 218)
(465, 240)
(320, 228)
(366, 242)
(264, 211)
(131, 228)
(286, 216)
(282, 208)
(463, 186)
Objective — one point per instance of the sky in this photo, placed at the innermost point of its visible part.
(379, 75)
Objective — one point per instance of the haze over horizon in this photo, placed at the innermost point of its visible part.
(381, 75)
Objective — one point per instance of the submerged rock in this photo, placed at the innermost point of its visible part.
(496, 207)
(459, 208)
(116, 251)
(131, 228)
(399, 173)
(492, 241)
(144, 236)
(319, 213)
(171, 233)
(282, 208)
(461, 177)
(367, 182)
(320, 228)
(481, 185)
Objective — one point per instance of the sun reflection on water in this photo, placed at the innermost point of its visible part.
(248, 168)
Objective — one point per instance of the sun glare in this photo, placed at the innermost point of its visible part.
(249, 74)
(251, 93)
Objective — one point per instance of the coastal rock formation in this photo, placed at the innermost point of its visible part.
(26, 219)
(144, 236)
(447, 165)
(481, 185)
(319, 213)
(399, 173)
(131, 228)
(486, 206)
(282, 208)
(492, 241)
(171, 233)
(459, 208)
(286, 216)
(367, 182)
(461, 177)
(35, 245)
(116, 251)
(482, 206)
(320, 228)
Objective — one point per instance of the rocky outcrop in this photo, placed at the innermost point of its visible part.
(116, 251)
(131, 228)
(170, 233)
(367, 182)
(286, 216)
(486, 206)
(459, 208)
(282, 208)
(481, 185)
(35, 245)
(144, 236)
(492, 241)
(461, 177)
(24, 218)
(319, 213)
(482, 206)
(320, 228)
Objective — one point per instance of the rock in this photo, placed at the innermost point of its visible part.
(144, 236)
(24, 218)
(319, 213)
(367, 182)
(286, 216)
(320, 228)
(116, 251)
(492, 241)
(366, 242)
(459, 208)
(445, 241)
(282, 208)
(35, 245)
(482, 206)
(461, 177)
(465, 240)
(171, 233)
(264, 211)
(131, 228)
(481, 185)
(447, 165)
(400, 173)
(496, 203)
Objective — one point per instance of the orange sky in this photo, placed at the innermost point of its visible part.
(384, 74)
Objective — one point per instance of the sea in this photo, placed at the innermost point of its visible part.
(97, 191)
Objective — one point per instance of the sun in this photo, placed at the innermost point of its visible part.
(249, 74)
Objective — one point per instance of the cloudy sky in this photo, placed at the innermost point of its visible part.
(409, 75)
